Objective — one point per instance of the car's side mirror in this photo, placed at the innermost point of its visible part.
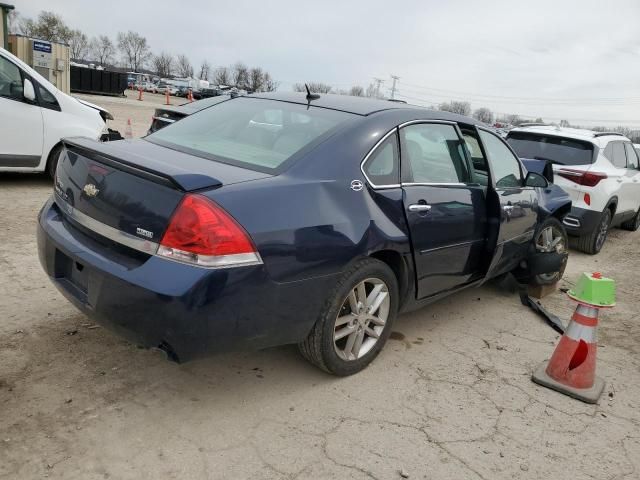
(28, 92)
(535, 180)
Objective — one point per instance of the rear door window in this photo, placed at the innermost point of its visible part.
(557, 150)
(618, 156)
(632, 158)
(433, 153)
(505, 166)
(381, 167)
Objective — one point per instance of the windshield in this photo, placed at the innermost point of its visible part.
(557, 150)
(253, 133)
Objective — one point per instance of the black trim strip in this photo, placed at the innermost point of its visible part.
(10, 160)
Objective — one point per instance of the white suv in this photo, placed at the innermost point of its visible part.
(599, 171)
(35, 115)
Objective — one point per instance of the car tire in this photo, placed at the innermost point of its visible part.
(551, 235)
(52, 161)
(632, 224)
(334, 356)
(592, 242)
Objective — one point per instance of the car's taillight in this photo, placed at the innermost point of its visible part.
(202, 233)
(586, 178)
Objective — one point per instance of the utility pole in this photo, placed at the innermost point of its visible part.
(378, 82)
(393, 87)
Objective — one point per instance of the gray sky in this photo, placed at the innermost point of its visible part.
(573, 59)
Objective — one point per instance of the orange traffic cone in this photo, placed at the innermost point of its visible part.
(166, 96)
(572, 367)
(127, 131)
(139, 93)
(190, 96)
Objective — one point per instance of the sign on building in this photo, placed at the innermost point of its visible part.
(41, 54)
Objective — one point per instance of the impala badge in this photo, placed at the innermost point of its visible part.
(356, 185)
(90, 190)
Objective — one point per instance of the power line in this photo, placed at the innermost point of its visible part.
(426, 102)
(506, 97)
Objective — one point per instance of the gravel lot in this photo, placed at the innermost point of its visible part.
(450, 397)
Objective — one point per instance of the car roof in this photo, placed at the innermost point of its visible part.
(345, 103)
(362, 105)
(598, 138)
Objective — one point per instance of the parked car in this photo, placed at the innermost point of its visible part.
(162, 88)
(182, 91)
(598, 170)
(168, 114)
(150, 87)
(35, 115)
(284, 218)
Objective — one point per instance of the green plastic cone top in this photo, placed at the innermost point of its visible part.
(594, 289)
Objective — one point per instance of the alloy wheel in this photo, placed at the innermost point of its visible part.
(550, 239)
(361, 319)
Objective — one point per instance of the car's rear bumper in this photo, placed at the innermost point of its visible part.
(581, 221)
(188, 311)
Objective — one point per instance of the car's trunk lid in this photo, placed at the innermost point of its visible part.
(133, 187)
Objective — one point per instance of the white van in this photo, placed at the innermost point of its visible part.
(35, 115)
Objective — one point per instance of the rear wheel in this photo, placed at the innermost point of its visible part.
(356, 320)
(52, 161)
(632, 224)
(592, 242)
(551, 237)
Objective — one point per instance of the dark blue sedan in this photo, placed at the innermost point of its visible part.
(289, 218)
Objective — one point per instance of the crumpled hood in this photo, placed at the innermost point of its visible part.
(104, 113)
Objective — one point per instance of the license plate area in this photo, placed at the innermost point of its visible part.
(72, 275)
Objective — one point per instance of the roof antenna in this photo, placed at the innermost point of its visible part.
(311, 96)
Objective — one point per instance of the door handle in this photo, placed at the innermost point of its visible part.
(419, 207)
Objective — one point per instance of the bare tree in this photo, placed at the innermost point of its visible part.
(79, 44)
(183, 66)
(13, 21)
(513, 119)
(102, 50)
(356, 91)
(461, 108)
(204, 70)
(256, 79)
(221, 76)
(483, 115)
(269, 85)
(48, 26)
(240, 75)
(315, 87)
(163, 64)
(135, 49)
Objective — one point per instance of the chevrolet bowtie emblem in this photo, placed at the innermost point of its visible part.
(90, 190)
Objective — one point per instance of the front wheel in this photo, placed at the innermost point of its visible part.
(355, 321)
(551, 236)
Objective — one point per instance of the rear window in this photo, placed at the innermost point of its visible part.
(254, 133)
(557, 150)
